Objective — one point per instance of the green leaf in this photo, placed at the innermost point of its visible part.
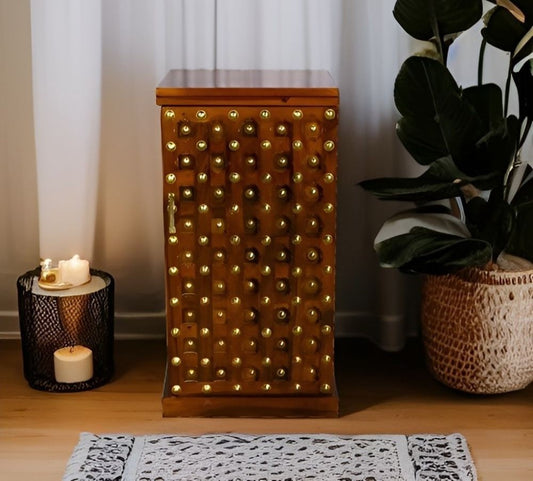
(431, 102)
(503, 30)
(487, 101)
(520, 244)
(426, 251)
(524, 194)
(442, 180)
(452, 16)
(524, 84)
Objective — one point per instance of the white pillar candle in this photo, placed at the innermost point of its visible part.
(73, 364)
(74, 271)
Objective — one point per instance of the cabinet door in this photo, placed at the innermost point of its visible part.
(249, 200)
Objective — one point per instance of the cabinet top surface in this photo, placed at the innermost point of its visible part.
(246, 83)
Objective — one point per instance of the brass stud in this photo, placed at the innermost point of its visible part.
(312, 193)
(204, 332)
(282, 286)
(312, 372)
(297, 177)
(203, 240)
(205, 362)
(266, 387)
(297, 360)
(235, 301)
(328, 270)
(281, 344)
(219, 287)
(192, 374)
(173, 271)
(297, 387)
(249, 128)
(233, 115)
(204, 270)
(282, 161)
(329, 145)
(250, 255)
(266, 270)
(265, 300)
(297, 239)
(266, 207)
(175, 361)
(296, 271)
(176, 389)
(236, 332)
(206, 389)
(174, 301)
(296, 300)
(266, 332)
(311, 345)
(172, 240)
(266, 240)
(264, 114)
(235, 269)
(282, 314)
(329, 114)
(190, 344)
(221, 373)
(235, 208)
(297, 145)
(266, 178)
(282, 223)
(234, 145)
(221, 343)
(283, 193)
(185, 129)
(266, 361)
(297, 114)
(327, 299)
(313, 255)
(188, 287)
(329, 177)
(187, 193)
(218, 162)
(201, 114)
(325, 388)
(326, 359)
(219, 256)
(169, 114)
(297, 330)
(312, 286)
(234, 240)
(328, 208)
(250, 161)
(281, 129)
(204, 300)
(282, 255)
(201, 145)
(202, 177)
(236, 362)
(250, 193)
(313, 128)
(170, 178)
(297, 208)
(327, 239)
(326, 329)
(175, 332)
(313, 161)
(250, 285)
(252, 345)
(185, 162)
(251, 224)
(234, 177)
(218, 193)
(218, 225)
(250, 315)
(190, 316)
(188, 256)
(266, 144)
(236, 387)
(188, 224)
(312, 315)
(170, 146)
(281, 372)
(217, 129)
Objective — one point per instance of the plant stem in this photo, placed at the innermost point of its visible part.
(508, 87)
(443, 49)
(480, 62)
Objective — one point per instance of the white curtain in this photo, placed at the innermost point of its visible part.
(97, 142)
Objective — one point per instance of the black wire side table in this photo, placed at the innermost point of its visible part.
(52, 320)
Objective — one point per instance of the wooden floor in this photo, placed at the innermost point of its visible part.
(380, 393)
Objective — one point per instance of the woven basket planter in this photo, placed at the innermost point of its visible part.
(477, 328)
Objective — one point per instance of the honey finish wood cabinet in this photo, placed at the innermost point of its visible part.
(249, 199)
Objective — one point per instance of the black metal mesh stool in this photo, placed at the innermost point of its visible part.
(49, 322)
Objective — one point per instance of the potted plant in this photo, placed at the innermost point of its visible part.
(470, 231)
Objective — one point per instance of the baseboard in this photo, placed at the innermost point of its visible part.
(389, 332)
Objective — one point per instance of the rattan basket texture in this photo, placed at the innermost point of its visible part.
(477, 328)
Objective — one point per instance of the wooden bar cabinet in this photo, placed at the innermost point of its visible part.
(249, 200)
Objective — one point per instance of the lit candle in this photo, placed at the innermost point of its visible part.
(74, 271)
(73, 364)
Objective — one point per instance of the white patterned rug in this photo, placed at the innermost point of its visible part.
(278, 457)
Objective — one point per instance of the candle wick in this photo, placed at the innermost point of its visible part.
(71, 349)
